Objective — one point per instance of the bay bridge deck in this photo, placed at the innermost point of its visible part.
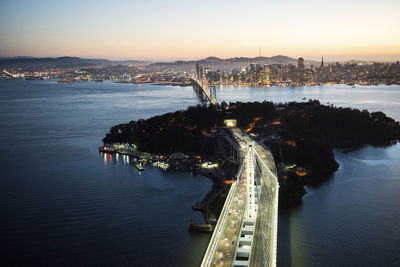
(246, 231)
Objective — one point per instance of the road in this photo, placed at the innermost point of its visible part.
(259, 233)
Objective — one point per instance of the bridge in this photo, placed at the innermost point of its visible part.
(246, 231)
(204, 90)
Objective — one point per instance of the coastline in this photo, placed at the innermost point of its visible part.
(300, 135)
(186, 84)
(212, 203)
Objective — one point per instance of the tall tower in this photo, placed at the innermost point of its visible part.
(300, 63)
(322, 62)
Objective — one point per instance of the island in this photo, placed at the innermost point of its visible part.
(300, 135)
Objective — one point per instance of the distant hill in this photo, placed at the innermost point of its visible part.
(18, 57)
(28, 62)
(224, 64)
(180, 65)
(61, 62)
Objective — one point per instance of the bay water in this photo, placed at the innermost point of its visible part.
(64, 203)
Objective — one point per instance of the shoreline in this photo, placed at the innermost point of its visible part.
(300, 135)
(159, 83)
(220, 182)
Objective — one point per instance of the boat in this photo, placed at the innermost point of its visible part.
(161, 165)
(139, 167)
(207, 228)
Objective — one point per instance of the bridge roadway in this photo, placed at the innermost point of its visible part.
(246, 235)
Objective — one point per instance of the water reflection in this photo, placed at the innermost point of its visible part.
(114, 158)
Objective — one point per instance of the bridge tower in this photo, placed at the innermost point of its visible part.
(205, 91)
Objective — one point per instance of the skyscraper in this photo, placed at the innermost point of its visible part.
(300, 63)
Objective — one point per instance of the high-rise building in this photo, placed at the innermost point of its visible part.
(309, 75)
(264, 77)
(300, 74)
(300, 63)
(322, 62)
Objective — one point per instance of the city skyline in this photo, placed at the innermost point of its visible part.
(170, 30)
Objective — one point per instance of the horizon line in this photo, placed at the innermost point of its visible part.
(396, 57)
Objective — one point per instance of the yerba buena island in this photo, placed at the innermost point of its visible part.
(300, 135)
(200, 133)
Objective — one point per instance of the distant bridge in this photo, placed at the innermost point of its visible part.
(203, 89)
(246, 231)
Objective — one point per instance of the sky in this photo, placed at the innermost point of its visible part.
(193, 29)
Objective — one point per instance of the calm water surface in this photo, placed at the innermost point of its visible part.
(63, 203)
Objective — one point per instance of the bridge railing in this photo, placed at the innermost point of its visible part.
(265, 255)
